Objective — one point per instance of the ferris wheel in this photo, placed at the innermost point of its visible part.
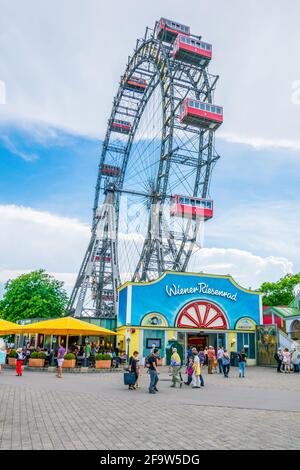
(152, 191)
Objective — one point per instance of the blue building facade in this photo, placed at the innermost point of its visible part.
(193, 309)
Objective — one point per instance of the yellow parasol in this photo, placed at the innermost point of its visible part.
(66, 326)
(9, 328)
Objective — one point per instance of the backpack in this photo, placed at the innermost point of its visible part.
(147, 364)
(225, 361)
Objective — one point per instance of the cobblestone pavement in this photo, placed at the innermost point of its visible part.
(96, 411)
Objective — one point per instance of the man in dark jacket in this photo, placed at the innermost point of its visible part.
(153, 371)
(278, 358)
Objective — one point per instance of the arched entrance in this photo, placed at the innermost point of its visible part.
(204, 317)
(295, 330)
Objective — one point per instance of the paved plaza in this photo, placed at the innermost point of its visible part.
(96, 411)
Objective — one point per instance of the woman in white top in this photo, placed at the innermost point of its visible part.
(196, 370)
(2, 353)
(296, 360)
(286, 361)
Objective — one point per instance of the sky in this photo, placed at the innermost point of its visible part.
(60, 65)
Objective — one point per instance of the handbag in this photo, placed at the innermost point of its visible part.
(129, 378)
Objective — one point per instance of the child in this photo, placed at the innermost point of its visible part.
(19, 362)
(138, 368)
(189, 371)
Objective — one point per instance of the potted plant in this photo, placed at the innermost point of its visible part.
(103, 361)
(12, 357)
(69, 361)
(37, 359)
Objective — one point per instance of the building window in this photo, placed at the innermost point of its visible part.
(221, 339)
(151, 341)
(246, 341)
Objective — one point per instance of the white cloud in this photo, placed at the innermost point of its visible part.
(31, 239)
(11, 146)
(266, 229)
(61, 61)
(247, 269)
(260, 143)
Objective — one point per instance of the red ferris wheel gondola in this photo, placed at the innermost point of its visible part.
(200, 114)
(191, 207)
(121, 126)
(167, 30)
(192, 51)
(136, 84)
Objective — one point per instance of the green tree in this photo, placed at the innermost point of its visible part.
(33, 295)
(280, 292)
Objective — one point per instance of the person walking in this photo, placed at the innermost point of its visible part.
(189, 355)
(220, 354)
(133, 367)
(278, 358)
(286, 360)
(196, 370)
(226, 363)
(211, 357)
(175, 366)
(60, 360)
(19, 362)
(87, 351)
(2, 353)
(205, 352)
(139, 372)
(189, 371)
(94, 350)
(153, 371)
(242, 360)
(201, 357)
(296, 360)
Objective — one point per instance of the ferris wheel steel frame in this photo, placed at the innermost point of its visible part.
(177, 80)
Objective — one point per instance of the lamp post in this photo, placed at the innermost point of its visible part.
(52, 352)
(128, 343)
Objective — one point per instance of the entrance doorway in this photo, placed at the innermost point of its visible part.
(197, 340)
(205, 339)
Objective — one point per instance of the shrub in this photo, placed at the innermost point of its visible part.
(102, 357)
(37, 355)
(69, 356)
(13, 353)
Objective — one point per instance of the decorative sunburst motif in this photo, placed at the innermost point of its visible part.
(201, 314)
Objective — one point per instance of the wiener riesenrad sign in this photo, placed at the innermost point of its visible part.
(200, 288)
